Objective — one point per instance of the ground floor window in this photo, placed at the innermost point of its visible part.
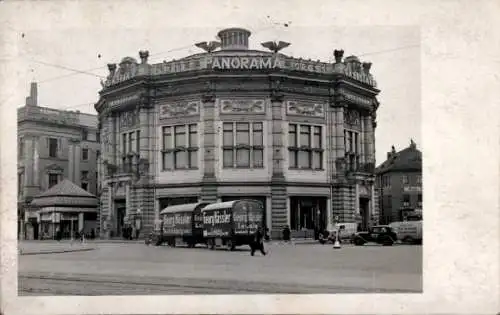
(308, 213)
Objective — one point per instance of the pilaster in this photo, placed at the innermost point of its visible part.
(209, 188)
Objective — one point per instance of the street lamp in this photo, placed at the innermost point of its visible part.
(137, 222)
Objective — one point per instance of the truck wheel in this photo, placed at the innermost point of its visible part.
(387, 241)
(408, 240)
(230, 245)
(358, 242)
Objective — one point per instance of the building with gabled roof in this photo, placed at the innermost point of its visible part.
(53, 145)
(65, 207)
(399, 184)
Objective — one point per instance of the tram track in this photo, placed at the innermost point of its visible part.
(71, 284)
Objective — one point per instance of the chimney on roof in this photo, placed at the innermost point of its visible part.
(32, 99)
(413, 145)
(392, 153)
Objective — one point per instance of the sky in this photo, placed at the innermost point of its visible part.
(56, 58)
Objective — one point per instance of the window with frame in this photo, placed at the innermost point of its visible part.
(137, 142)
(53, 179)
(20, 184)
(305, 146)
(406, 200)
(406, 180)
(351, 145)
(419, 179)
(53, 147)
(242, 145)
(85, 154)
(124, 143)
(85, 135)
(419, 200)
(131, 142)
(180, 147)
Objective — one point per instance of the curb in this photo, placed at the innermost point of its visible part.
(56, 251)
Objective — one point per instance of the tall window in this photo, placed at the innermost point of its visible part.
(419, 179)
(21, 148)
(137, 142)
(386, 181)
(305, 146)
(53, 179)
(419, 200)
(243, 145)
(351, 144)
(180, 147)
(124, 143)
(85, 135)
(131, 142)
(85, 154)
(53, 147)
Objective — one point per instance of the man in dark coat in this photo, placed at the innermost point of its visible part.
(258, 242)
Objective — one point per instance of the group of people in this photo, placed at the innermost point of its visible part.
(77, 235)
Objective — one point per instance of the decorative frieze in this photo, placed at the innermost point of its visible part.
(124, 100)
(352, 117)
(243, 106)
(179, 109)
(129, 119)
(305, 109)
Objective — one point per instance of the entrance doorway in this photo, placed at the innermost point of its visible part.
(364, 212)
(120, 207)
(308, 213)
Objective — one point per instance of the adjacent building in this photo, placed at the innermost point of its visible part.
(399, 184)
(52, 145)
(234, 122)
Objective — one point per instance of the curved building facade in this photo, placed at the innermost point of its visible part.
(233, 123)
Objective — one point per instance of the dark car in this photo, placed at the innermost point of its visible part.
(381, 234)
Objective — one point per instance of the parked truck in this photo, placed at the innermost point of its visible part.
(232, 223)
(408, 231)
(182, 225)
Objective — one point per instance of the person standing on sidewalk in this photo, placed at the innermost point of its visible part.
(258, 242)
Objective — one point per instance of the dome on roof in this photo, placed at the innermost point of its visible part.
(128, 60)
(65, 193)
(351, 58)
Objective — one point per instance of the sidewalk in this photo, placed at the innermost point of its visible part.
(52, 247)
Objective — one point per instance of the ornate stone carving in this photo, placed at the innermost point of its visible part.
(305, 109)
(124, 100)
(180, 109)
(354, 98)
(338, 54)
(242, 106)
(276, 94)
(129, 119)
(352, 117)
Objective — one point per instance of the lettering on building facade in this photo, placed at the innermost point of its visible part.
(243, 106)
(305, 109)
(123, 100)
(243, 63)
(179, 109)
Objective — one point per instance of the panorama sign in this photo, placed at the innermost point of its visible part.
(244, 63)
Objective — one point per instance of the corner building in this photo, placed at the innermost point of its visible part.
(234, 123)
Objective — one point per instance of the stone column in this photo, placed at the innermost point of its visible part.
(71, 160)
(279, 208)
(369, 147)
(78, 158)
(356, 200)
(208, 115)
(329, 214)
(110, 211)
(362, 140)
(80, 221)
(128, 200)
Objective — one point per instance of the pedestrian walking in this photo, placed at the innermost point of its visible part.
(258, 242)
(286, 234)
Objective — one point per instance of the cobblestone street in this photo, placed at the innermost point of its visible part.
(123, 269)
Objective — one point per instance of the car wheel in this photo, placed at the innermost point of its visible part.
(211, 244)
(387, 242)
(358, 242)
(230, 245)
(408, 240)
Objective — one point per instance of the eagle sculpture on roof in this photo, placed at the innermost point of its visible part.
(275, 46)
(208, 46)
